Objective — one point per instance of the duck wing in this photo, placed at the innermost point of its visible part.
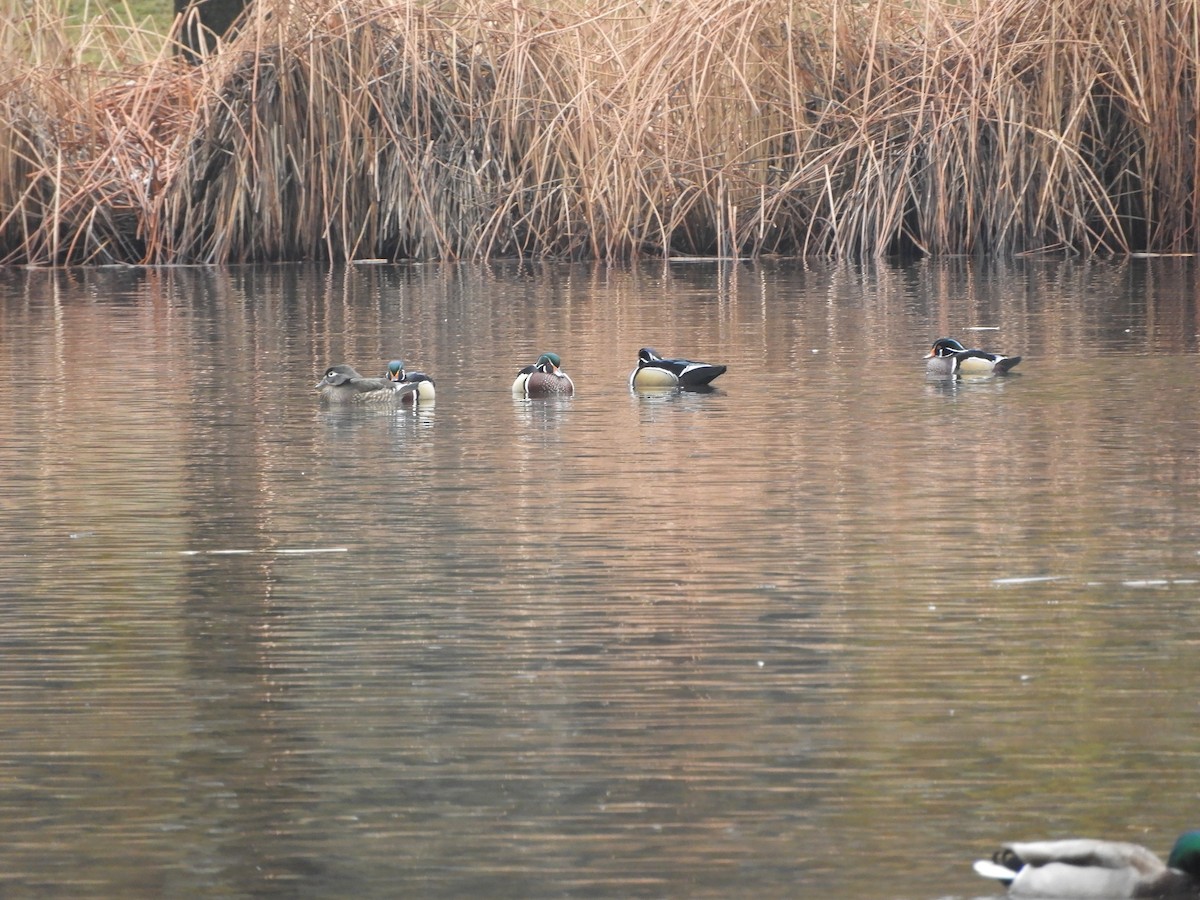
(689, 372)
(1086, 852)
(1075, 869)
(382, 387)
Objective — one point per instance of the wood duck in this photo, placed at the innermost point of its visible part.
(543, 379)
(343, 384)
(949, 357)
(1083, 868)
(655, 372)
(424, 392)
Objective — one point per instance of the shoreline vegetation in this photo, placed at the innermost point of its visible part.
(364, 129)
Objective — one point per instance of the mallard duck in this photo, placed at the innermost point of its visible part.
(949, 357)
(655, 372)
(424, 392)
(343, 384)
(1083, 868)
(544, 379)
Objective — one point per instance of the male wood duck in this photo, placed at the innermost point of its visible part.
(949, 357)
(1083, 868)
(543, 379)
(655, 372)
(342, 384)
(424, 392)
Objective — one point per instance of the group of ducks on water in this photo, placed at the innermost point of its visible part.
(1079, 868)
(545, 377)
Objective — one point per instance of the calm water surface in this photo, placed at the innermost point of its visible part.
(832, 630)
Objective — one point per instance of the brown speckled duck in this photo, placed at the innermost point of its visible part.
(545, 378)
(343, 384)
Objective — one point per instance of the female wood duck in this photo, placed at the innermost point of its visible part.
(655, 372)
(543, 379)
(1084, 868)
(342, 384)
(949, 357)
(424, 392)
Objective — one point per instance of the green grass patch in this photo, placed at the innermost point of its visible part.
(153, 15)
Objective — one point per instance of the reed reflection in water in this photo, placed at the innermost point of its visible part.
(829, 620)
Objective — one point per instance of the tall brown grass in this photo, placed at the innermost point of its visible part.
(343, 130)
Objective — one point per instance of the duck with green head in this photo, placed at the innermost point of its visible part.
(545, 378)
(343, 384)
(1084, 869)
(425, 386)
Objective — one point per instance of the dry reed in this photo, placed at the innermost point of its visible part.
(342, 130)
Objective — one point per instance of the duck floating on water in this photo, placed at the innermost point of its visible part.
(545, 378)
(653, 371)
(343, 384)
(425, 386)
(1085, 869)
(949, 357)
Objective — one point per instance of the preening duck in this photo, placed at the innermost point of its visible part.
(653, 371)
(545, 378)
(1085, 869)
(343, 384)
(949, 357)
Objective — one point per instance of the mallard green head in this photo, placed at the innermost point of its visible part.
(1185, 855)
(395, 370)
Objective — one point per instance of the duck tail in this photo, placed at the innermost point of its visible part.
(1004, 365)
(989, 869)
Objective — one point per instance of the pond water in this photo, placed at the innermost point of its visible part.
(831, 630)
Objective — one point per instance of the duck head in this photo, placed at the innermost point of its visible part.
(1185, 855)
(338, 375)
(944, 347)
(548, 363)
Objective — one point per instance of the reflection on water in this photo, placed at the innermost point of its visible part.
(830, 619)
